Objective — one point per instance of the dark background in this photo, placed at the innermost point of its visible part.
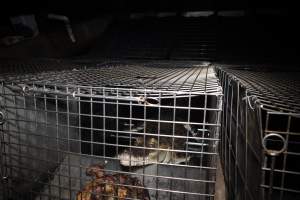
(265, 33)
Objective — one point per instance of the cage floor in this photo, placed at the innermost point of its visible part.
(69, 179)
(70, 176)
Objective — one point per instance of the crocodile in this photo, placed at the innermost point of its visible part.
(158, 142)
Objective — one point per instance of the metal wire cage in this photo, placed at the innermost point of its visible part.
(260, 134)
(112, 130)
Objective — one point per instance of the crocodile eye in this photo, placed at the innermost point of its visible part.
(152, 143)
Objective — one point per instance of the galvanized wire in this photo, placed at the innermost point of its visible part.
(260, 131)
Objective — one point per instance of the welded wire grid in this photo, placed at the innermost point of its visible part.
(56, 125)
(13, 67)
(260, 132)
(167, 76)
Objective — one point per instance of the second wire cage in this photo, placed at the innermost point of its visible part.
(260, 131)
(115, 130)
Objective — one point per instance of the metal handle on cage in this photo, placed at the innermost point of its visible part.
(275, 136)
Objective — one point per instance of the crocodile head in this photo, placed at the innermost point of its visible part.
(160, 147)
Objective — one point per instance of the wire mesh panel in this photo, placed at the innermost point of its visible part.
(111, 131)
(260, 132)
(21, 67)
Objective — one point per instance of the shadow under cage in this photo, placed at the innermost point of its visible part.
(111, 131)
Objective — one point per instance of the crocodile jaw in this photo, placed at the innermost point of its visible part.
(154, 157)
(130, 160)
